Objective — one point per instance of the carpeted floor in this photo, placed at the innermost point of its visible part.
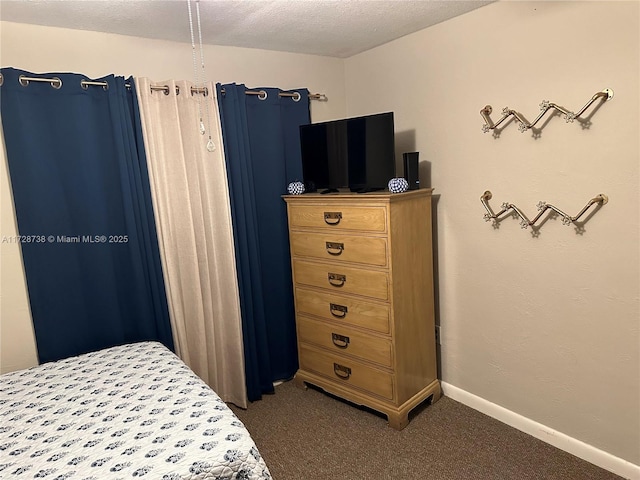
(309, 435)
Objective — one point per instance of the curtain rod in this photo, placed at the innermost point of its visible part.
(57, 83)
(166, 89)
(262, 95)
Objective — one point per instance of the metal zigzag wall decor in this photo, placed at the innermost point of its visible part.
(545, 106)
(510, 208)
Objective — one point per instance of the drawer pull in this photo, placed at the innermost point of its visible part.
(334, 248)
(341, 371)
(336, 279)
(340, 341)
(334, 307)
(332, 218)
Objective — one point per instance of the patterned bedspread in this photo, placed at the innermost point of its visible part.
(125, 412)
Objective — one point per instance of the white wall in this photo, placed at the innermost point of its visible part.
(44, 49)
(546, 327)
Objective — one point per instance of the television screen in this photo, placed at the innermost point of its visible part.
(356, 153)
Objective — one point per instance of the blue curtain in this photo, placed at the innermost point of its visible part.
(262, 151)
(81, 191)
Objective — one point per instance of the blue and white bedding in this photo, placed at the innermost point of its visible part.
(133, 411)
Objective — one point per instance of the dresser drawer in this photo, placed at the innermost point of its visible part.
(348, 341)
(340, 248)
(338, 217)
(346, 372)
(345, 310)
(341, 279)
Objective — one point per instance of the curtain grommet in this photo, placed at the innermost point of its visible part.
(197, 90)
(262, 95)
(55, 82)
(296, 96)
(85, 84)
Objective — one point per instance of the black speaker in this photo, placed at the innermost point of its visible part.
(411, 169)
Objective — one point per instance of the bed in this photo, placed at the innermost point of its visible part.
(132, 411)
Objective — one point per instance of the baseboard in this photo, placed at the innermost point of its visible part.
(559, 440)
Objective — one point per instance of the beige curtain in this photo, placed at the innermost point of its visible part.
(193, 218)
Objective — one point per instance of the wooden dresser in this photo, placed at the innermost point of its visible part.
(363, 285)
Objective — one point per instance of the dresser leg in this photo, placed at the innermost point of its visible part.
(299, 383)
(398, 421)
(437, 394)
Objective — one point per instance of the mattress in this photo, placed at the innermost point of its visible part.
(132, 411)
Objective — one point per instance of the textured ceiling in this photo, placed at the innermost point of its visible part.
(336, 28)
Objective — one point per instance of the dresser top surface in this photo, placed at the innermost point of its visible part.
(381, 195)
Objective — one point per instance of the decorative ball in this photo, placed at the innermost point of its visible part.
(296, 188)
(398, 185)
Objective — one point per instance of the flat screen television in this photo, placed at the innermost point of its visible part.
(355, 153)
